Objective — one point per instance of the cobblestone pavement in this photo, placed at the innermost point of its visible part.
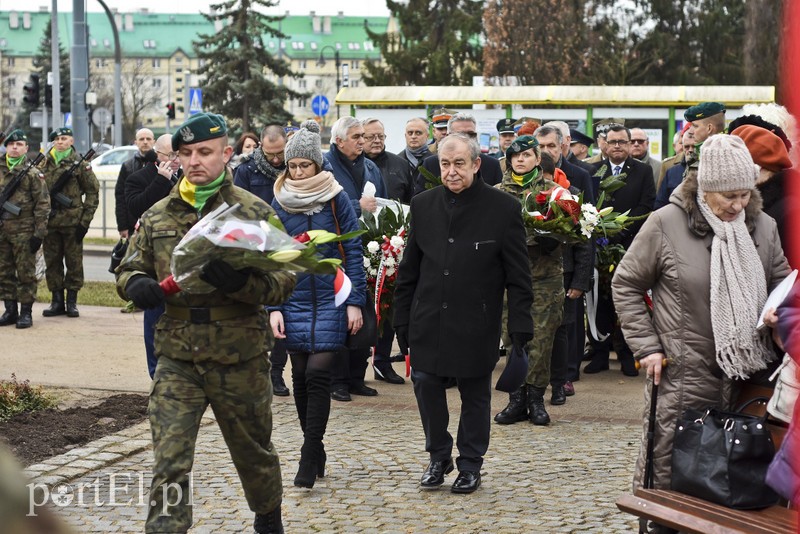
(561, 478)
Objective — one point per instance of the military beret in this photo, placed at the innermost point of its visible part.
(579, 137)
(506, 125)
(703, 110)
(15, 135)
(521, 144)
(198, 128)
(59, 132)
(440, 117)
(601, 127)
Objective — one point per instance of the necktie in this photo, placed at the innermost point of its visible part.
(617, 168)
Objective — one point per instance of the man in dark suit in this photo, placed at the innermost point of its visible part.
(637, 195)
(551, 139)
(491, 173)
(466, 248)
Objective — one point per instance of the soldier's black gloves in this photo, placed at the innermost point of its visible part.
(548, 244)
(224, 277)
(80, 232)
(519, 341)
(35, 243)
(144, 292)
(401, 332)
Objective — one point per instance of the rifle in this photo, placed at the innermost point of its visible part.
(9, 189)
(55, 191)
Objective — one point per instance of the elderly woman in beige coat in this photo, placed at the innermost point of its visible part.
(710, 257)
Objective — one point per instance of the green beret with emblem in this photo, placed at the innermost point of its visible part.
(703, 110)
(198, 128)
(16, 135)
(59, 132)
(521, 144)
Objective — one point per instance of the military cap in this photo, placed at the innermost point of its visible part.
(703, 110)
(59, 132)
(200, 127)
(601, 127)
(506, 125)
(15, 135)
(440, 117)
(521, 144)
(580, 137)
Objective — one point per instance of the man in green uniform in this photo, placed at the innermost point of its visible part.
(211, 348)
(21, 234)
(68, 225)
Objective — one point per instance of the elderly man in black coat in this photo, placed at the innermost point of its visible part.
(466, 248)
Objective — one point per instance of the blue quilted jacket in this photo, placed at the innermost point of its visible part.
(335, 161)
(312, 322)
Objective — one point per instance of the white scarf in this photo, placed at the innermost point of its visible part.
(738, 293)
(308, 195)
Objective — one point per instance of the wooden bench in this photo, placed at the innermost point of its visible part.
(691, 514)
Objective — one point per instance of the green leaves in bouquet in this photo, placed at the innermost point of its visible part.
(431, 180)
(388, 223)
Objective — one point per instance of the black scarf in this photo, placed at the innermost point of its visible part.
(265, 167)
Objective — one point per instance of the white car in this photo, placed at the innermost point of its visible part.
(106, 166)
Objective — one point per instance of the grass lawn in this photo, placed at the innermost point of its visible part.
(92, 294)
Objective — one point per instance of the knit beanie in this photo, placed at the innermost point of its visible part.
(767, 149)
(305, 143)
(725, 165)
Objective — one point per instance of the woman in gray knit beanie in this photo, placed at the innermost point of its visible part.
(710, 258)
(314, 327)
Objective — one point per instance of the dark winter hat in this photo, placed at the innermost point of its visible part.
(59, 132)
(703, 110)
(579, 137)
(725, 165)
(513, 375)
(200, 127)
(305, 143)
(16, 135)
(767, 149)
(755, 120)
(521, 144)
(505, 125)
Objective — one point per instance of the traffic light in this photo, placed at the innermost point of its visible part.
(48, 96)
(171, 110)
(63, 95)
(31, 91)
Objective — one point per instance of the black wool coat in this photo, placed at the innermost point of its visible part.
(637, 195)
(463, 253)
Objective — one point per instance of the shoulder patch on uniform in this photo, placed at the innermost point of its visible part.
(164, 233)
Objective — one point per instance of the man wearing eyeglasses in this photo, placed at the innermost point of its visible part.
(396, 173)
(258, 171)
(640, 149)
(144, 188)
(637, 195)
(144, 142)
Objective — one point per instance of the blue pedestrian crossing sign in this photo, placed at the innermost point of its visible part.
(320, 105)
(195, 100)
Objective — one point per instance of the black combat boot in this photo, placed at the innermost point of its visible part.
(536, 412)
(269, 523)
(72, 303)
(10, 316)
(25, 320)
(517, 409)
(56, 305)
(558, 396)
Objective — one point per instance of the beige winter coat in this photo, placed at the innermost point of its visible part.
(672, 256)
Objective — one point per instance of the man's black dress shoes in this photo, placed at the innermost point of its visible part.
(433, 477)
(341, 395)
(387, 374)
(466, 482)
(363, 390)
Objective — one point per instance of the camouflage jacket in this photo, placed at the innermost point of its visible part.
(30, 197)
(544, 263)
(83, 189)
(220, 342)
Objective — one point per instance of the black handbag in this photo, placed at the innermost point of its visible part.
(367, 335)
(117, 253)
(723, 457)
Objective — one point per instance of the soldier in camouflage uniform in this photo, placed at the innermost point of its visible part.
(211, 348)
(523, 174)
(68, 225)
(20, 235)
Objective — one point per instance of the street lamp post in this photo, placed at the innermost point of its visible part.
(337, 62)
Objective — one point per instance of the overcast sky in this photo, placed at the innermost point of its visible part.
(371, 8)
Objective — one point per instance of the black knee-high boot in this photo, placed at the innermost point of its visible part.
(300, 396)
(312, 454)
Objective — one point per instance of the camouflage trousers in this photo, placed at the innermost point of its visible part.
(17, 268)
(61, 247)
(241, 397)
(547, 311)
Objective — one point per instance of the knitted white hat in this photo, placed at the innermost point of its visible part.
(725, 164)
(305, 143)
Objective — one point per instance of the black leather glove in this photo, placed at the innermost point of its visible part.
(80, 232)
(401, 333)
(144, 292)
(520, 341)
(35, 243)
(224, 277)
(548, 244)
